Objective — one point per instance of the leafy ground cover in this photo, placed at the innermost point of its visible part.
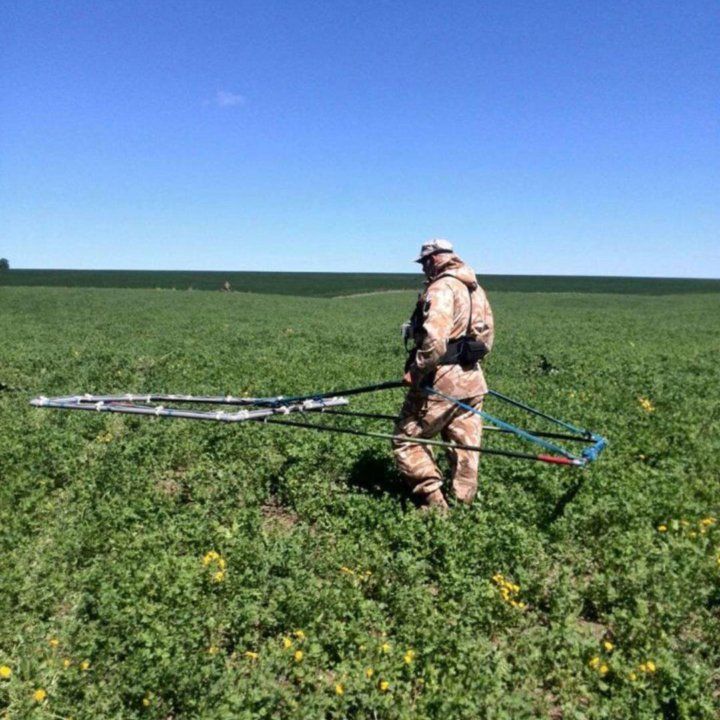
(169, 569)
(333, 284)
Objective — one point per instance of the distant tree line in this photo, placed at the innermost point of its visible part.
(4, 264)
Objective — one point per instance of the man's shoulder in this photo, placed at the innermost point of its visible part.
(442, 294)
(449, 283)
(440, 286)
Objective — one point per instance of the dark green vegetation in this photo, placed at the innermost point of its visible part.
(328, 595)
(333, 284)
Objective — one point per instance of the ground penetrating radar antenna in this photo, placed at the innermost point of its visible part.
(273, 410)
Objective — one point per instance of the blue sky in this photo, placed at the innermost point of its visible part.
(540, 137)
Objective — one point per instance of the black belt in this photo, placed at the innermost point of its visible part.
(464, 351)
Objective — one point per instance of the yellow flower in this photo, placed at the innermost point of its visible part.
(643, 667)
(54, 642)
(632, 676)
(209, 557)
(651, 666)
(594, 662)
(5, 672)
(383, 686)
(287, 643)
(298, 656)
(347, 570)
(221, 563)
(252, 655)
(369, 673)
(409, 656)
(299, 634)
(706, 522)
(339, 689)
(609, 647)
(67, 662)
(85, 665)
(604, 669)
(146, 702)
(39, 695)
(662, 528)
(213, 650)
(646, 405)
(219, 576)
(385, 647)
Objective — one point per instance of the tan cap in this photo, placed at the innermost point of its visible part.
(434, 246)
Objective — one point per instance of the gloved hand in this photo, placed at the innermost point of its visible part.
(411, 378)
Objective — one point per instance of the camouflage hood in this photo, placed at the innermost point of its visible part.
(456, 268)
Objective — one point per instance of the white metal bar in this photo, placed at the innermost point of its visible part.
(120, 404)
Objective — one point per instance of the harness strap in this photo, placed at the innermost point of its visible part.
(465, 350)
(470, 310)
(501, 423)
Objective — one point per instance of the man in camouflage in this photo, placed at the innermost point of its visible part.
(451, 307)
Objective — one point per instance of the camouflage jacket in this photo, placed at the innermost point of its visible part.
(452, 300)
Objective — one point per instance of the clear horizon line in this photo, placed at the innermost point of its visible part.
(351, 272)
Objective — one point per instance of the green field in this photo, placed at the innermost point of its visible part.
(333, 284)
(336, 598)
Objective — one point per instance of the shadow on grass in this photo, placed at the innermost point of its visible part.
(376, 475)
(545, 496)
(563, 501)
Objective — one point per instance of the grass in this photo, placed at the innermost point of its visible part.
(110, 599)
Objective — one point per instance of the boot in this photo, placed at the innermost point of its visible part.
(434, 501)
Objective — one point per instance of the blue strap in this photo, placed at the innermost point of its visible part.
(539, 413)
(501, 423)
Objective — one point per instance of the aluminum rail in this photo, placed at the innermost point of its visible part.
(114, 406)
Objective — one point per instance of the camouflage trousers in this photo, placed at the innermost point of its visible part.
(423, 417)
